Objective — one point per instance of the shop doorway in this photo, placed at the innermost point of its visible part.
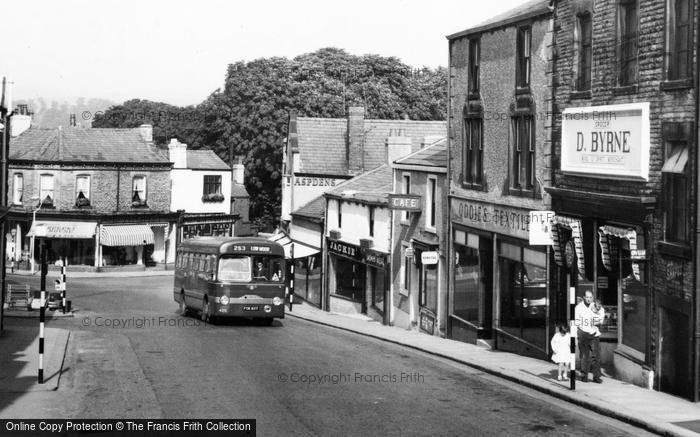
(673, 352)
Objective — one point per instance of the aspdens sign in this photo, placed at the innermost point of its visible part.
(606, 141)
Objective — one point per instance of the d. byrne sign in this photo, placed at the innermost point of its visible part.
(606, 141)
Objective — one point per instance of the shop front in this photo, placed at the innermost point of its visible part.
(69, 241)
(601, 237)
(500, 288)
(357, 279)
(305, 260)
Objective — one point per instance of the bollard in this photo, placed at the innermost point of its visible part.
(63, 287)
(42, 316)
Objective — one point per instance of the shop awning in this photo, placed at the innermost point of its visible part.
(677, 161)
(301, 250)
(126, 235)
(606, 246)
(56, 229)
(574, 224)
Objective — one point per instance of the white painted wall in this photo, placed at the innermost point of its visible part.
(356, 223)
(188, 186)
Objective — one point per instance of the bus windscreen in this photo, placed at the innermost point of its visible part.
(234, 268)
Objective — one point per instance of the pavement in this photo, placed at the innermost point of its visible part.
(105, 274)
(653, 411)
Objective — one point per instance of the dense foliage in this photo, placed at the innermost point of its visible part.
(249, 116)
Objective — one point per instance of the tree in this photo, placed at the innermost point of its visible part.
(249, 116)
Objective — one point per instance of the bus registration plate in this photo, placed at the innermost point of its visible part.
(251, 307)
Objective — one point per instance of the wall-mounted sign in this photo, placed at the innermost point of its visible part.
(305, 181)
(429, 258)
(206, 230)
(427, 323)
(408, 253)
(405, 202)
(344, 249)
(502, 219)
(638, 254)
(374, 258)
(541, 228)
(606, 141)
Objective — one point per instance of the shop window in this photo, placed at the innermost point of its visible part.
(584, 51)
(406, 190)
(634, 320)
(46, 190)
(474, 58)
(431, 204)
(138, 194)
(350, 279)
(473, 154)
(18, 188)
(523, 293)
(472, 280)
(628, 41)
(679, 39)
(406, 279)
(523, 141)
(523, 57)
(676, 181)
(82, 190)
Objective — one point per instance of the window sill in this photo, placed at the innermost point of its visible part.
(139, 205)
(580, 95)
(472, 186)
(430, 230)
(625, 90)
(523, 193)
(519, 90)
(473, 95)
(676, 84)
(674, 249)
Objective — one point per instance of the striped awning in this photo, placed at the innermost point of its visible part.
(126, 235)
(608, 248)
(574, 224)
(293, 249)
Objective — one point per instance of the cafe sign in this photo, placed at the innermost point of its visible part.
(606, 141)
(405, 202)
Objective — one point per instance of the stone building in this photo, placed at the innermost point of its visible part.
(499, 165)
(625, 178)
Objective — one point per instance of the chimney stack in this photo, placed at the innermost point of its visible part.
(177, 152)
(356, 139)
(238, 171)
(146, 131)
(72, 121)
(398, 145)
(21, 120)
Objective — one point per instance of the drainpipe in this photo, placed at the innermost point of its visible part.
(696, 319)
(449, 289)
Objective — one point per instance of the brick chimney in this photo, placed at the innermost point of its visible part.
(21, 120)
(398, 145)
(356, 139)
(146, 131)
(177, 152)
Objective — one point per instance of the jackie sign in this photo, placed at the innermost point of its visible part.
(606, 141)
(405, 202)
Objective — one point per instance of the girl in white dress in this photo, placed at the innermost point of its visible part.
(561, 350)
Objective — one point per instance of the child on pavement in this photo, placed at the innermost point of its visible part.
(561, 350)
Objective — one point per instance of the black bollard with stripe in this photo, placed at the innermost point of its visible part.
(63, 286)
(572, 331)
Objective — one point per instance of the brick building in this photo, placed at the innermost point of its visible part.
(625, 172)
(98, 197)
(499, 164)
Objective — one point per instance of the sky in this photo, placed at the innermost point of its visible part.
(177, 51)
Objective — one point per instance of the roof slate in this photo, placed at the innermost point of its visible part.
(85, 145)
(373, 186)
(315, 209)
(205, 160)
(525, 10)
(434, 155)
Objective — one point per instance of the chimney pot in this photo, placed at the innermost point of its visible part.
(146, 131)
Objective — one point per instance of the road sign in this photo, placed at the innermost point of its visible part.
(59, 285)
(409, 252)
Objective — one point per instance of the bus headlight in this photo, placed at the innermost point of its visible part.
(223, 300)
(277, 301)
(267, 308)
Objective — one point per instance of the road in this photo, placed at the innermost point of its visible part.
(133, 355)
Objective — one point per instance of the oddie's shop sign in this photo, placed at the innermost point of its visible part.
(606, 141)
(493, 218)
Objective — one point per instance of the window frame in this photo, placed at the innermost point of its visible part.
(529, 166)
(584, 51)
(145, 189)
(523, 65)
(474, 65)
(678, 135)
(431, 192)
(42, 190)
(340, 215)
(472, 156)
(209, 184)
(673, 70)
(624, 37)
(17, 200)
(371, 211)
(87, 195)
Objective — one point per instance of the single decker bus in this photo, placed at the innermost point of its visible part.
(230, 277)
